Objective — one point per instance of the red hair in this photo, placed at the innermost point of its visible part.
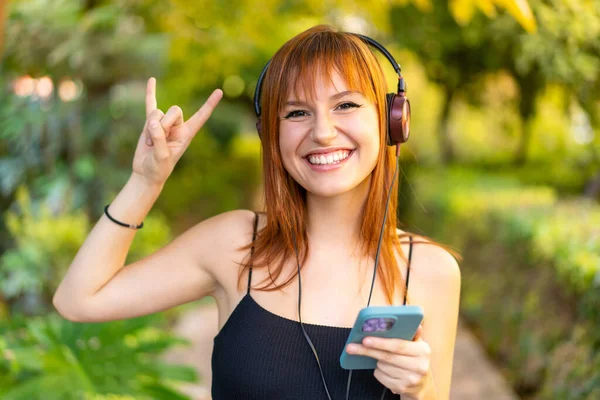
(308, 56)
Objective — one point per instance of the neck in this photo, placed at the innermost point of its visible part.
(334, 222)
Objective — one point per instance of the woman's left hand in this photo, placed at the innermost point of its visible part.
(403, 365)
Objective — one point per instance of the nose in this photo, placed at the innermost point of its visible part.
(323, 130)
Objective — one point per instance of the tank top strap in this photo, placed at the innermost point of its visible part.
(252, 250)
(408, 267)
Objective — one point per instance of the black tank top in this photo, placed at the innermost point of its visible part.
(259, 355)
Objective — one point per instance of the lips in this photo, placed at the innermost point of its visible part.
(325, 152)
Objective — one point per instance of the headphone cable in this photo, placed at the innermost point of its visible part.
(387, 203)
(312, 347)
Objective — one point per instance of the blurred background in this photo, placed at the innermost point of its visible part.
(503, 164)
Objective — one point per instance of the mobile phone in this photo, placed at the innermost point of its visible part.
(400, 322)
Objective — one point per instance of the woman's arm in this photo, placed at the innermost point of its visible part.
(96, 286)
(421, 369)
(435, 285)
(104, 251)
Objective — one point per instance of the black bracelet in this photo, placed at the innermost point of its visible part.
(121, 223)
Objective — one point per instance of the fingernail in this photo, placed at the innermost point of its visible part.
(154, 124)
(368, 341)
(149, 141)
(351, 348)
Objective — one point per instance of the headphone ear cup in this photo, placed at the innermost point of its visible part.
(398, 118)
(389, 98)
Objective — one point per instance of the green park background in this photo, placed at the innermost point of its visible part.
(503, 164)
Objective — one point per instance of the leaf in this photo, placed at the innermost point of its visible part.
(176, 372)
(163, 392)
(521, 11)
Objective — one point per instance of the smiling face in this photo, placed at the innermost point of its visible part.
(329, 139)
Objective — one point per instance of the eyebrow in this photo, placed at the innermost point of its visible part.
(334, 97)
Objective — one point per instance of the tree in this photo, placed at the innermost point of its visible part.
(457, 57)
(454, 57)
(2, 22)
(564, 51)
(60, 113)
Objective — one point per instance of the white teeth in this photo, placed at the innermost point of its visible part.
(331, 158)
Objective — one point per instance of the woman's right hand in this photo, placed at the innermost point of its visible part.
(165, 137)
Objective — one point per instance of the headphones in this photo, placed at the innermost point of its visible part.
(397, 104)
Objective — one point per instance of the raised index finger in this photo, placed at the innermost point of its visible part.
(199, 118)
(150, 96)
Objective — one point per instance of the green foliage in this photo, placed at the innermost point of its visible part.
(463, 60)
(80, 146)
(570, 237)
(100, 45)
(209, 179)
(571, 364)
(51, 358)
(44, 245)
(107, 397)
(565, 178)
(214, 42)
(225, 123)
(561, 232)
(567, 47)
(531, 275)
(81, 150)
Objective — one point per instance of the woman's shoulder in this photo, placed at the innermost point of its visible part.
(430, 261)
(218, 239)
(231, 226)
(232, 220)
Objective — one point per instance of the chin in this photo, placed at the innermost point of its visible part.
(326, 192)
(329, 190)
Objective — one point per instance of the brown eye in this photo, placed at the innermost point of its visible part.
(295, 114)
(347, 105)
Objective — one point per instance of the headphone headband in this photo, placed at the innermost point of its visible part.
(383, 50)
(258, 88)
(367, 39)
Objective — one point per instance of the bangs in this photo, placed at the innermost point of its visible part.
(315, 59)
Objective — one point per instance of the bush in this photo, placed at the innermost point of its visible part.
(531, 275)
(44, 247)
(51, 358)
(47, 357)
(209, 180)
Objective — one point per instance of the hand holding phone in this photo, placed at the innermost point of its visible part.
(399, 322)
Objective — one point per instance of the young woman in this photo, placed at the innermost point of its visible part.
(327, 173)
